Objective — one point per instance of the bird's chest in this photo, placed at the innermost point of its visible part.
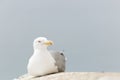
(41, 58)
(40, 64)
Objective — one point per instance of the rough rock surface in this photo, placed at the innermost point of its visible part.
(76, 76)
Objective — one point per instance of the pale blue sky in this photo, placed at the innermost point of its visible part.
(87, 30)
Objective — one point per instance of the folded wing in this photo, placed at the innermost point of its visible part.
(60, 60)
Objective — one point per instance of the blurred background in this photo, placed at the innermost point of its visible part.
(87, 30)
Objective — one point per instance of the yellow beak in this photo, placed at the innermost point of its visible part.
(48, 43)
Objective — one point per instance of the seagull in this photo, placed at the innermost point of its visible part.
(43, 61)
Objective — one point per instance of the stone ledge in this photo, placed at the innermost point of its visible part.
(76, 76)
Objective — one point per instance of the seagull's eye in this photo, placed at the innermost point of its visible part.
(39, 41)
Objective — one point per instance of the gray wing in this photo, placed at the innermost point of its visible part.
(60, 60)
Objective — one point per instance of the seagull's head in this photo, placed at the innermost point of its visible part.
(42, 42)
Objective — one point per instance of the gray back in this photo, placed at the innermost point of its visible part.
(60, 60)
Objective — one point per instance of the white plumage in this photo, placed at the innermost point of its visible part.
(42, 62)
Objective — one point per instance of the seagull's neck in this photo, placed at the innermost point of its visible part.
(40, 50)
